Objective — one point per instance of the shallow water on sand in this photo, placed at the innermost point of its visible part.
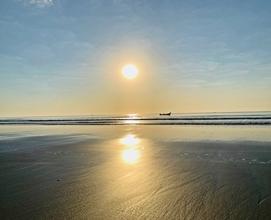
(135, 172)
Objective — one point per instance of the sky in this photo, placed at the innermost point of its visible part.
(64, 57)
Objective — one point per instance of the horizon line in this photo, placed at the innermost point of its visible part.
(127, 114)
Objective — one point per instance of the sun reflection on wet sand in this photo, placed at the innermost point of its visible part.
(130, 140)
(130, 156)
(131, 152)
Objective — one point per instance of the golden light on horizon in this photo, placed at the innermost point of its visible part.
(129, 71)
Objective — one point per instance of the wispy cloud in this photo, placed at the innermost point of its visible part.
(39, 3)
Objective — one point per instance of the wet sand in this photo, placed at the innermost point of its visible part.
(132, 173)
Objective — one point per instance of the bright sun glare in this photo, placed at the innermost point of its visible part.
(131, 152)
(130, 156)
(130, 140)
(129, 71)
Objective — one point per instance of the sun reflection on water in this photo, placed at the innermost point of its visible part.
(131, 119)
(132, 152)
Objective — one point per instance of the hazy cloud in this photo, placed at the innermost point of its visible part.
(39, 3)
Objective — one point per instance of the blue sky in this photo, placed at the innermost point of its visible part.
(61, 56)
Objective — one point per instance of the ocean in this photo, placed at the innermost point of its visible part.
(238, 118)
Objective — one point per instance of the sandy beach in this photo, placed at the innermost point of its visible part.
(135, 172)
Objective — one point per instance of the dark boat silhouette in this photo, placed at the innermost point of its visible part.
(165, 114)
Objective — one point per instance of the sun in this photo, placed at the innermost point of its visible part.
(129, 71)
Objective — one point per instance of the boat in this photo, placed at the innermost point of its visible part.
(165, 114)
